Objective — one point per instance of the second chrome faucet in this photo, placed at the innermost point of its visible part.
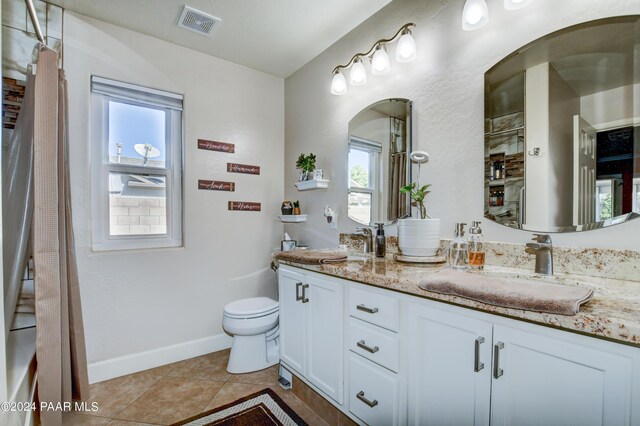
(543, 249)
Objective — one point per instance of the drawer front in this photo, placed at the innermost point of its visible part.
(374, 343)
(375, 308)
(373, 394)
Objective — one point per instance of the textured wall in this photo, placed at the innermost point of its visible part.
(139, 300)
(446, 83)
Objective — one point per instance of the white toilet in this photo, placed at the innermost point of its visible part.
(253, 323)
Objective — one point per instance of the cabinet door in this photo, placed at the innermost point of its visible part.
(325, 342)
(292, 320)
(445, 350)
(546, 379)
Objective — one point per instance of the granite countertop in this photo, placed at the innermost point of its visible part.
(613, 313)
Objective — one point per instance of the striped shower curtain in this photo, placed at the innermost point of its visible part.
(60, 344)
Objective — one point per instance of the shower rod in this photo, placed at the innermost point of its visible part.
(34, 19)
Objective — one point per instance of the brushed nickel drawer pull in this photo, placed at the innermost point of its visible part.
(298, 297)
(363, 308)
(361, 397)
(497, 371)
(363, 345)
(477, 365)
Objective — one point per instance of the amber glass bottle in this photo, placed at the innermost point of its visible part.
(476, 251)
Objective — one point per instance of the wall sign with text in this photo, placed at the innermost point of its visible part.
(243, 168)
(216, 185)
(216, 146)
(244, 206)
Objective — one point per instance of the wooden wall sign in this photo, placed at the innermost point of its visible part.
(216, 185)
(216, 146)
(244, 206)
(243, 168)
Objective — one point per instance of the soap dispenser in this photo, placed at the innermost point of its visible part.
(458, 249)
(381, 241)
(476, 247)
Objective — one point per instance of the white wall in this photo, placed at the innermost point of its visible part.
(446, 83)
(564, 104)
(537, 168)
(146, 300)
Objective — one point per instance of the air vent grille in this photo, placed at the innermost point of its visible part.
(198, 22)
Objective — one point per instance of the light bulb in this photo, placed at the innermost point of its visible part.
(406, 49)
(380, 61)
(516, 4)
(474, 15)
(338, 84)
(357, 75)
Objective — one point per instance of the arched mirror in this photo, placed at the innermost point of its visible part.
(562, 130)
(378, 163)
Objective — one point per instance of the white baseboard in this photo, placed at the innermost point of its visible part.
(121, 366)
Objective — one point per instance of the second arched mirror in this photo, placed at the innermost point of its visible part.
(378, 163)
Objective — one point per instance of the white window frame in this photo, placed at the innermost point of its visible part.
(374, 149)
(102, 91)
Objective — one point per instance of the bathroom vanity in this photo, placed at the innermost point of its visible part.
(385, 352)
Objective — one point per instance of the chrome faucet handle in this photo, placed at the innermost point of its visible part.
(365, 231)
(542, 238)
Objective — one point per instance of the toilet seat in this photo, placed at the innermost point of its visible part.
(253, 307)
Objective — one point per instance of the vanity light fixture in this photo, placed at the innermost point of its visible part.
(380, 63)
(357, 75)
(475, 14)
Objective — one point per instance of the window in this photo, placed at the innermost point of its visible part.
(604, 199)
(364, 166)
(136, 153)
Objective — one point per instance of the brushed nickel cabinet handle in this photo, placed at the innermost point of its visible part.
(497, 371)
(361, 397)
(298, 297)
(363, 308)
(363, 345)
(477, 365)
(304, 296)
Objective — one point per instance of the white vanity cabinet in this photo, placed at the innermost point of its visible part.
(402, 359)
(374, 353)
(543, 377)
(470, 368)
(450, 367)
(311, 329)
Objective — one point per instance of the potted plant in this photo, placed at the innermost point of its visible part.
(306, 164)
(296, 207)
(421, 236)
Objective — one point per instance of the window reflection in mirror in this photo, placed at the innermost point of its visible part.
(379, 143)
(562, 135)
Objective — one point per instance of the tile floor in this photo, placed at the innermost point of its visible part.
(173, 392)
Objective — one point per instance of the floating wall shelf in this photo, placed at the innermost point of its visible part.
(308, 185)
(293, 218)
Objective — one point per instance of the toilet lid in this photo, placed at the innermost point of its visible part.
(251, 306)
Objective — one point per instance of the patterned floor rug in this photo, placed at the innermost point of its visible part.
(261, 408)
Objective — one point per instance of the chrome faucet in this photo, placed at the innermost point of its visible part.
(367, 237)
(543, 249)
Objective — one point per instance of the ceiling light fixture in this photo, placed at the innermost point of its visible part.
(380, 63)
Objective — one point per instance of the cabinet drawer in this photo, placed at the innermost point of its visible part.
(373, 391)
(374, 343)
(374, 308)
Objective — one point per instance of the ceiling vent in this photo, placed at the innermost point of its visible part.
(198, 22)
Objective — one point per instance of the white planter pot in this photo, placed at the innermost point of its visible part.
(419, 237)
